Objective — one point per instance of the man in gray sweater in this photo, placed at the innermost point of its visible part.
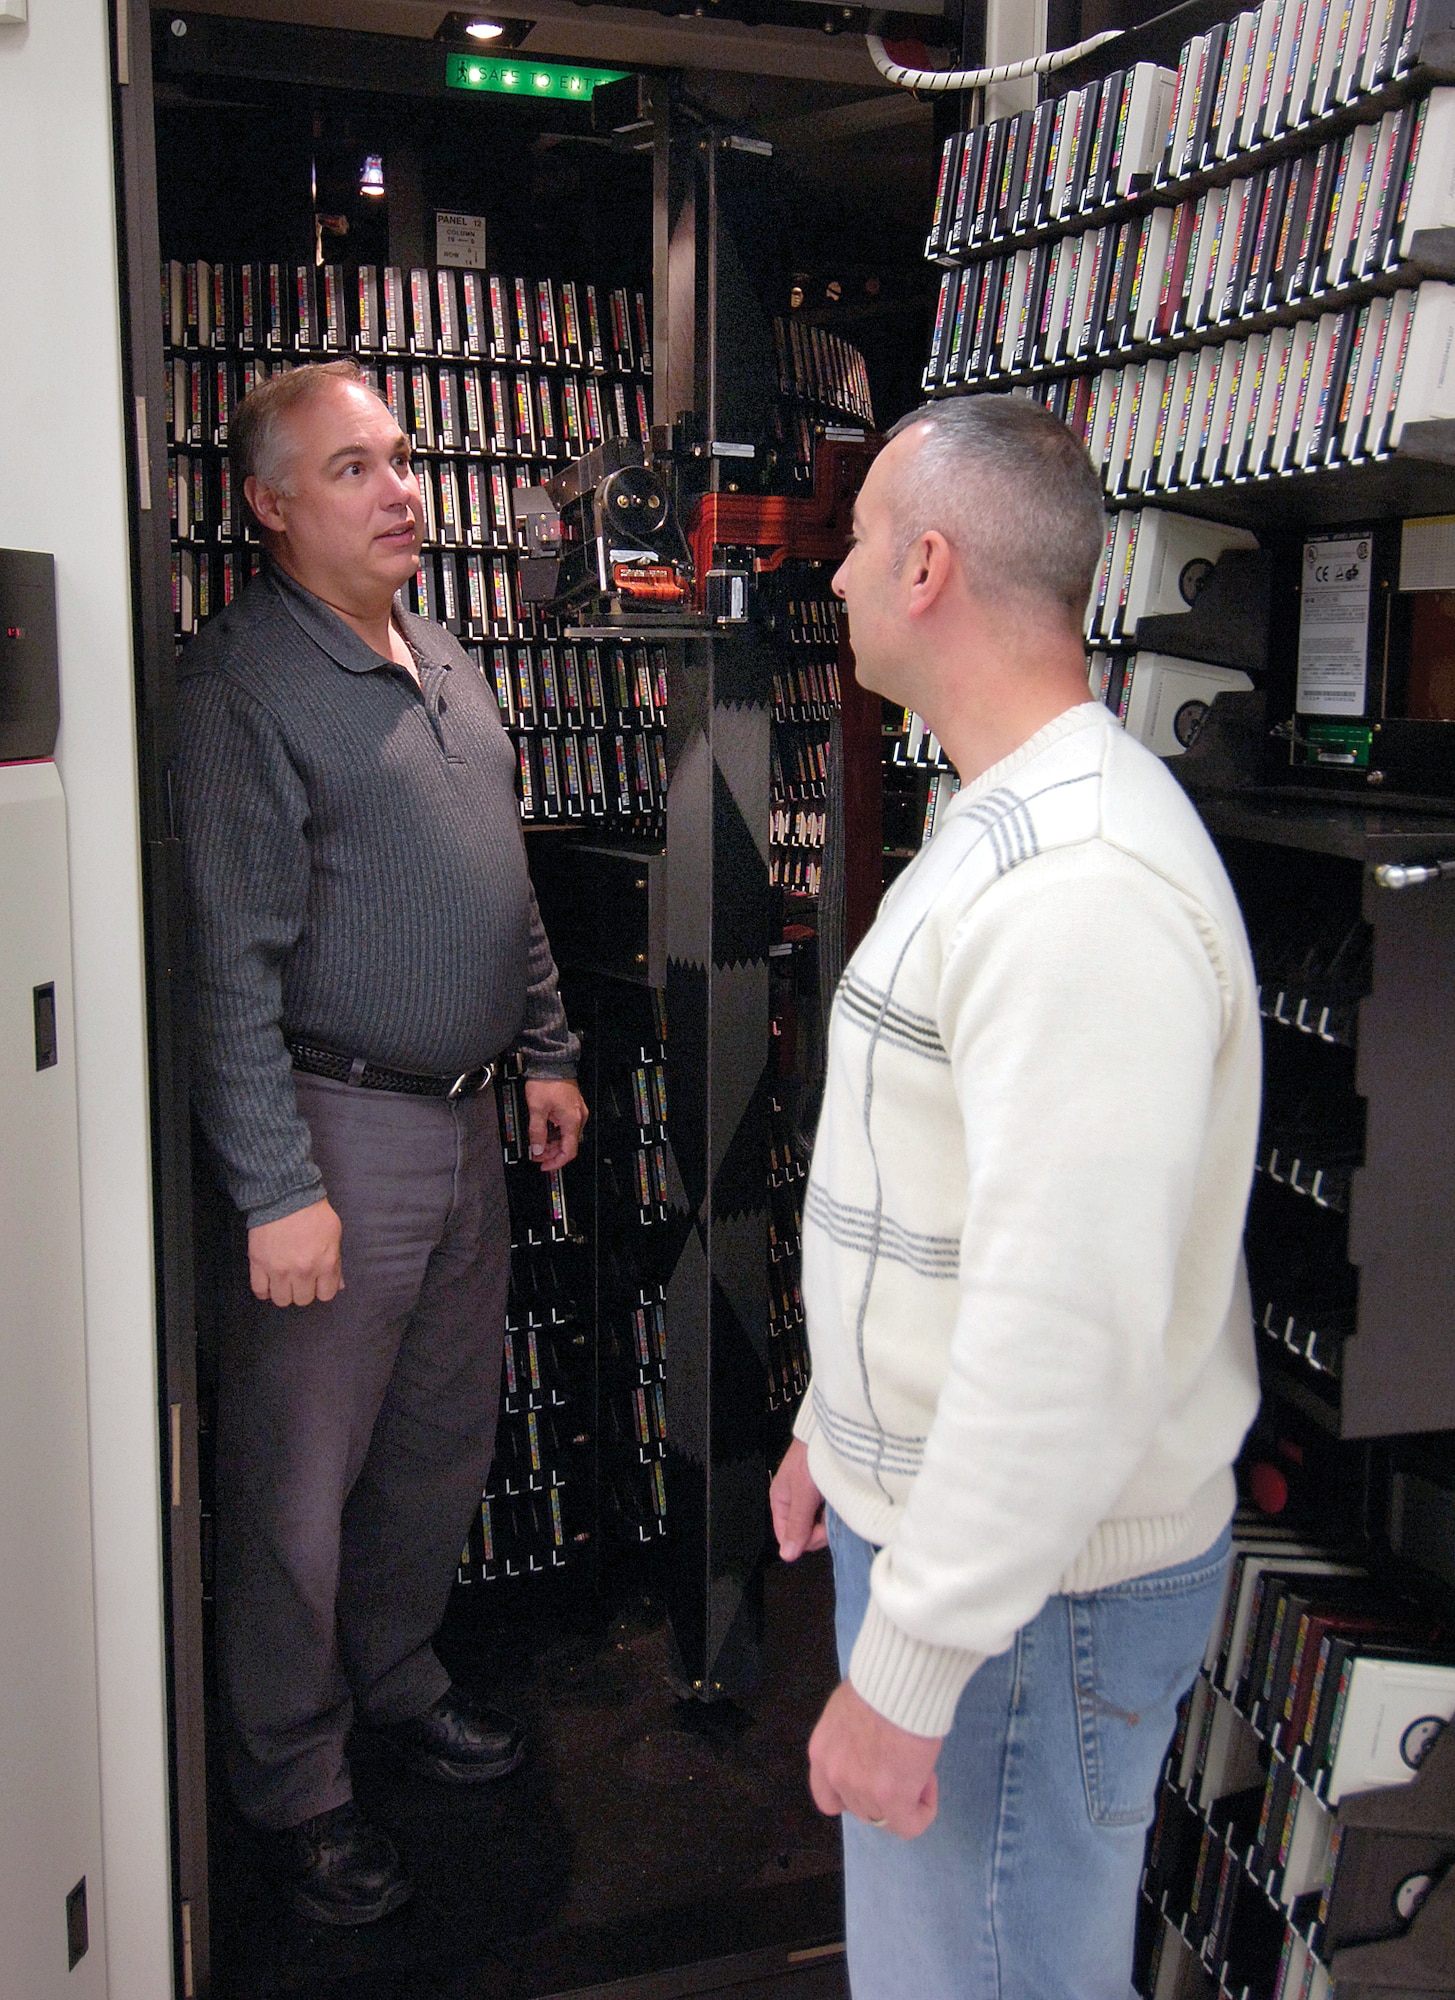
(365, 947)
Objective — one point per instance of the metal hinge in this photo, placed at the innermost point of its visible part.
(143, 458)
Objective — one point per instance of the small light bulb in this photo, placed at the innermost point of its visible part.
(543, 82)
(484, 31)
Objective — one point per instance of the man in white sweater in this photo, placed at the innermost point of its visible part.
(1032, 1348)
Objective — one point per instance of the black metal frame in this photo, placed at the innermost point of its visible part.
(144, 391)
(719, 718)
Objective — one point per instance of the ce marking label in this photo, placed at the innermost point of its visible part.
(1336, 571)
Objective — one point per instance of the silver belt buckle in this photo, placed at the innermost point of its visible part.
(475, 1080)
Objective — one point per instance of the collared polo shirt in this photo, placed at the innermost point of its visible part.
(356, 873)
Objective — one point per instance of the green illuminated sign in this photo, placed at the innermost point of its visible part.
(513, 76)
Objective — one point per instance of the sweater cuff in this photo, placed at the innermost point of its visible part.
(914, 1685)
(287, 1204)
(805, 1423)
(538, 1070)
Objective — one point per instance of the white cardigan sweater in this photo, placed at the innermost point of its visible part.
(1032, 1347)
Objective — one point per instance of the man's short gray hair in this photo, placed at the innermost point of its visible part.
(1011, 491)
(258, 434)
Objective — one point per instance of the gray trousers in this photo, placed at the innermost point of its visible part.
(353, 1444)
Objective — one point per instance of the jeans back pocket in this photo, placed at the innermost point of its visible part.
(1135, 1649)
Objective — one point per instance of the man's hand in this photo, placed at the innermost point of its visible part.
(859, 1762)
(558, 1117)
(295, 1261)
(797, 1506)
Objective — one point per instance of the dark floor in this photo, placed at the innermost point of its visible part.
(647, 1839)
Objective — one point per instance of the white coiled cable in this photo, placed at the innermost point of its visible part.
(942, 80)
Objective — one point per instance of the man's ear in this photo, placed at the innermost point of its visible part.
(263, 499)
(930, 566)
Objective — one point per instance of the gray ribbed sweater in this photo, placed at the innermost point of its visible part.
(356, 874)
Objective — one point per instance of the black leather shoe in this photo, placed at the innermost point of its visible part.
(336, 1868)
(459, 1741)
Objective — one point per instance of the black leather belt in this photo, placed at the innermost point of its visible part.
(314, 1061)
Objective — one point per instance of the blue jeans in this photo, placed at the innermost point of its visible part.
(1025, 1885)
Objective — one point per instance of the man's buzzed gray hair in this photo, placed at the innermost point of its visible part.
(1012, 492)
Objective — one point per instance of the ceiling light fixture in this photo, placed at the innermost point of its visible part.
(479, 31)
(371, 180)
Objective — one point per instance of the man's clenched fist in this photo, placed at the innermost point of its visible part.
(296, 1260)
(797, 1506)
